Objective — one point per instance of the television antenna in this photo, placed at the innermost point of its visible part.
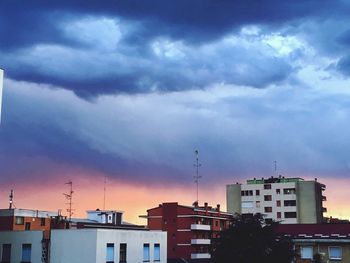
(196, 177)
(104, 192)
(11, 199)
(69, 197)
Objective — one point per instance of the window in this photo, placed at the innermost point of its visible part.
(26, 253)
(27, 226)
(290, 215)
(267, 197)
(290, 203)
(257, 192)
(268, 209)
(156, 252)
(306, 252)
(6, 253)
(267, 186)
(278, 203)
(110, 253)
(257, 204)
(19, 220)
(122, 253)
(247, 193)
(247, 204)
(146, 253)
(335, 253)
(279, 215)
(42, 221)
(289, 191)
(278, 191)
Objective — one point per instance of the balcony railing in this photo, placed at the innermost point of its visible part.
(200, 241)
(200, 227)
(200, 255)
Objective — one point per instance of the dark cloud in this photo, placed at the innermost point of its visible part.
(25, 26)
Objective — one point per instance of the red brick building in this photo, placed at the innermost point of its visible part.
(190, 228)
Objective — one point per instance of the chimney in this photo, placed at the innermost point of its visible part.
(218, 207)
(206, 207)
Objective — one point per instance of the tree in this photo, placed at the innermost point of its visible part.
(252, 239)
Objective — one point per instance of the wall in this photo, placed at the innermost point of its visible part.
(17, 238)
(89, 245)
(233, 198)
(307, 202)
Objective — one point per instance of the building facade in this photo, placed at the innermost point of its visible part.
(25, 219)
(190, 229)
(288, 200)
(327, 242)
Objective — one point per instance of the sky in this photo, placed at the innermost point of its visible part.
(127, 90)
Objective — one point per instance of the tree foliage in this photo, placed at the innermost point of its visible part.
(251, 239)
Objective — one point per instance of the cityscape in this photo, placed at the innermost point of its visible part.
(202, 131)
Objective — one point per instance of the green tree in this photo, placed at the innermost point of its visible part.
(252, 239)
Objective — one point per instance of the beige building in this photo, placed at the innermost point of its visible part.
(288, 200)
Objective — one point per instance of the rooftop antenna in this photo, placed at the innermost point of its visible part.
(69, 197)
(1, 88)
(11, 199)
(104, 192)
(275, 167)
(196, 177)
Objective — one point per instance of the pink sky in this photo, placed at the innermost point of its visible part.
(134, 199)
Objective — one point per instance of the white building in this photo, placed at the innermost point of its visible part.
(85, 245)
(289, 200)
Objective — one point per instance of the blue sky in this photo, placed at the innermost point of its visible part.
(130, 89)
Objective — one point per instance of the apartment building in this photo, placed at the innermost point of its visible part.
(102, 237)
(328, 242)
(190, 229)
(25, 219)
(288, 200)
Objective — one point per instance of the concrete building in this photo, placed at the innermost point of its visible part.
(190, 228)
(330, 241)
(84, 245)
(107, 245)
(288, 200)
(25, 219)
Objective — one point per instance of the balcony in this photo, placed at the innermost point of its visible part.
(200, 256)
(324, 209)
(324, 198)
(200, 241)
(200, 227)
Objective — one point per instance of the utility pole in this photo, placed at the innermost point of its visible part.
(69, 197)
(196, 177)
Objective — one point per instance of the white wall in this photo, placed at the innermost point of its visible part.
(17, 238)
(89, 245)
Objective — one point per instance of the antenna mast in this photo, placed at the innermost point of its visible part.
(275, 167)
(11, 199)
(104, 193)
(196, 177)
(69, 197)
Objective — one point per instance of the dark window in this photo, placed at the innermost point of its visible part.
(257, 192)
(279, 215)
(19, 220)
(27, 226)
(122, 253)
(42, 221)
(278, 191)
(216, 223)
(290, 214)
(290, 203)
(267, 186)
(110, 253)
(267, 197)
(242, 193)
(26, 253)
(268, 209)
(6, 253)
(278, 203)
(289, 191)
